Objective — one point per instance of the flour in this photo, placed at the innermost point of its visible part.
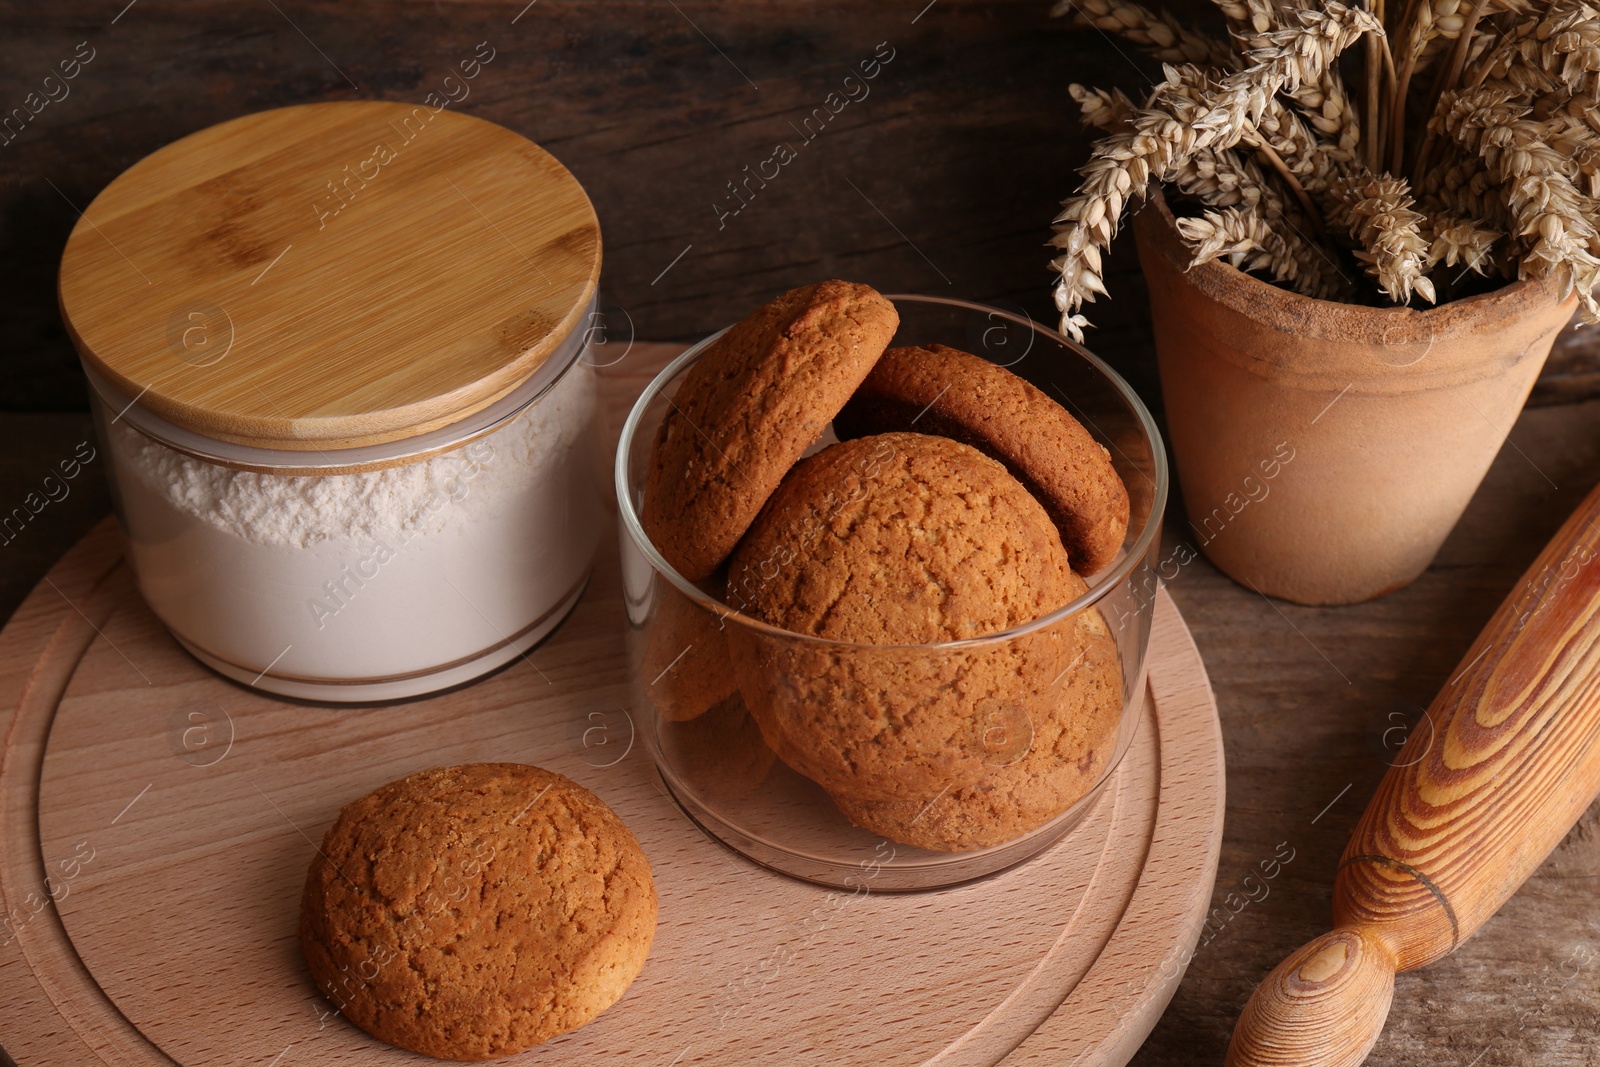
(300, 511)
(341, 583)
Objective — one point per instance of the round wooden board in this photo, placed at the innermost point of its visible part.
(174, 816)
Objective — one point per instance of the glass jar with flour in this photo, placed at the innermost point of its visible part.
(339, 359)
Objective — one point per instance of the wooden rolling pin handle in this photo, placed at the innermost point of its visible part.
(1507, 759)
(1332, 995)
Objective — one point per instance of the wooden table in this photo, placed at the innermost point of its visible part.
(942, 180)
(1313, 701)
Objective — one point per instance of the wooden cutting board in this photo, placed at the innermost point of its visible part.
(171, 817)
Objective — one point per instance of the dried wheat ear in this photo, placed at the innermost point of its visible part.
(1316, 186)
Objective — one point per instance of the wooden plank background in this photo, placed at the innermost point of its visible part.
(943, 179)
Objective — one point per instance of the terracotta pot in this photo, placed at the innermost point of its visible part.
(1326, 449)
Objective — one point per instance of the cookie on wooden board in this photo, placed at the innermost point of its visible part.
(1045, 759)
(747, 409)
(475, 911)
(941, 390)
(883, 546)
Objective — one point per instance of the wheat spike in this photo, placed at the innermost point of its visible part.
(1281, 140)
(1558, 52)
(1328, 107)
(1118, 170)
(1455, 239)
(1315, 162)
(1249, 18)
(1273, 145)
(1569, 129)
(1103, 110)
(1219, 179)
(1223, 179)
(1462, 186)
(1156, 32)
(1549, 210)
(1171, 128)
(1303, 54)
(1437, 23)
(1249, 242)
(1378, 212)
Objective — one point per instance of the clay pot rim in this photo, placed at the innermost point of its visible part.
(1332, 320)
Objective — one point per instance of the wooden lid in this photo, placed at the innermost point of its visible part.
(330, 275)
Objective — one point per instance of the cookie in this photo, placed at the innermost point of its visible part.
(1045, 760)
(475, 911)
(881, 546)
(720, 754)
(684, 669)
(945, 391)
(747, 409)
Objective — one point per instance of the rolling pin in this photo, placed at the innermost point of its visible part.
(1468, 811)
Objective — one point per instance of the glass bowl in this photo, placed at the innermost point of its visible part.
(1022, 753)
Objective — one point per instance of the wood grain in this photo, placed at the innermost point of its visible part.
(213, 898)
(330, 275)
(1325, 1005)
(1506, 759)
(653, 120)
(1314, 704)
(198, 850)
(942, 179)
(650, 117)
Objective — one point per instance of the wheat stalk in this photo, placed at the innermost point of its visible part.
(1546, 205)
(1273, 130)
(1323, 100)
(1436, 24)
(1377, 210)
(1106, 110)
(1157, 32)
(1462, 187)
(1171, 128)
(1316, 163)
(1432, 30)
(1249, 19)
(1273, 145)
(1222, 179)
(1560, 51)
(1458, 239)
(1246, 240)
